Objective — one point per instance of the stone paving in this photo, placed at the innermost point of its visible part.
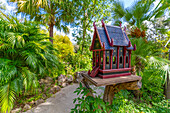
(62, 101)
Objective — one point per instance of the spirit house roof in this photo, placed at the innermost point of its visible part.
(110, 36)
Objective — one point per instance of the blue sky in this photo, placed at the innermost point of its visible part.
(128, 2)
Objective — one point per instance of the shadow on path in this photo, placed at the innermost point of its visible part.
(61, 102)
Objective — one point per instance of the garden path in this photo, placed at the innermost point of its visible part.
(61, 102)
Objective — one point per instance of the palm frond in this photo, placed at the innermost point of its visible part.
(118, 11)
(7, 97)
(25, 53)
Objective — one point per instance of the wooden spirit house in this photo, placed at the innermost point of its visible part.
(111, 52)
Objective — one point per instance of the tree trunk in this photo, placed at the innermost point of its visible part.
(51, 32)
(52, 23)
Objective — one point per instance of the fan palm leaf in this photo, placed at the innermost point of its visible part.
(140, 11)
(25, 54)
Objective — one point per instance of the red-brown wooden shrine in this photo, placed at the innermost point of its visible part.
(111, 52)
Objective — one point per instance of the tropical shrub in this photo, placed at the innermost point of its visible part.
(88, 104)
(123, 102)
(80, 62)
(154, 77)
(72, 61)
(25, 54)
(143, 50)
(153, 69)
(64, 46)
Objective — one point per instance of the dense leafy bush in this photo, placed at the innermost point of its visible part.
(124, 102)
(88, 104)
(64, 46)
(154, 77)
(153, 69)
(25, 54)
(81, 62)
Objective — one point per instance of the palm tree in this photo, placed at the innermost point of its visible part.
(25, 54)
(153, 69)
(51, 13)
(140, 11)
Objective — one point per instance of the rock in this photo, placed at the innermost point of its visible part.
(32, 103)
(49, 79)
(44, 96)
(78, 77)
(26, 107)
(48, 84)
(17, 110)
(41, 81)
(45, 88)
(64, 84)
(139, 84)
(46, 81)
(69, 78)
(39, 101)
(55, 89)
(62, 80)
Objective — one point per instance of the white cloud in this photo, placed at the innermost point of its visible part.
(10, 7)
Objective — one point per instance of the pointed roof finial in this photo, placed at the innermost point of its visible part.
(103, 45)
(102, 22)
(94, 25)
(129, 44)
(120, 24)
(125, 28)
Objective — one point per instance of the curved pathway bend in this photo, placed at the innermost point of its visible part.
(62, 101)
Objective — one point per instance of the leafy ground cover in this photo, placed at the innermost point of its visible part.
(123, 102)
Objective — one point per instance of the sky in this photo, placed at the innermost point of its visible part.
(10, 9)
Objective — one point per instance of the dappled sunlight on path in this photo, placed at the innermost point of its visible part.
(61, 102)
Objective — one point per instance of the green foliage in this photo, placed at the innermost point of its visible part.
(140, 11)
(88, 104)
(143, 50)
(151, 67)
(154, 77)
(65, 54)
(88, 11)
(123, 102)
(81, 62)
(64, 46)
(25, 54)
(50, 13)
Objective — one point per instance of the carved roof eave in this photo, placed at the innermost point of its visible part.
(94, 36)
